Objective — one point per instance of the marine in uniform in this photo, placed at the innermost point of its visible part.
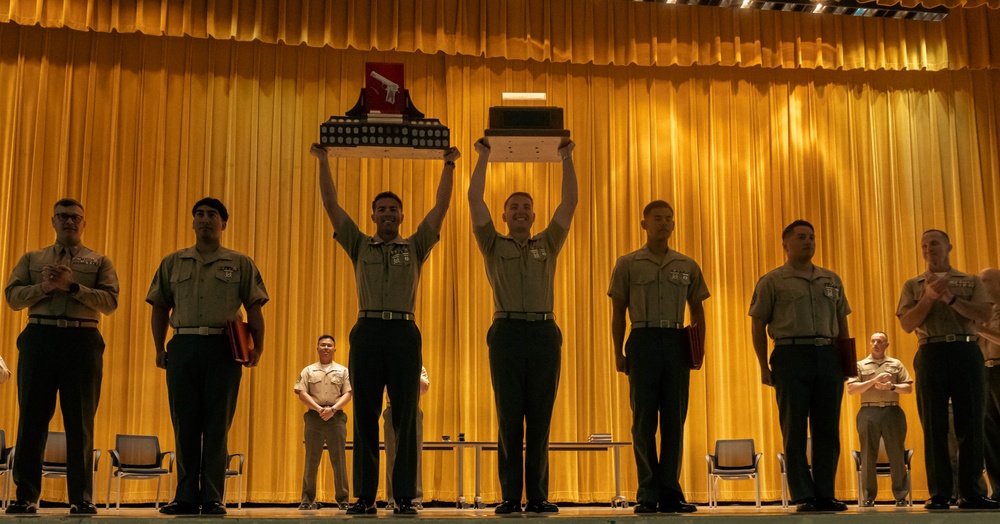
(942, 305)
(66, 287)
(880, 381)
(325, 388)
(654, 284)
(194, 292)
(989, 341)
(385, 341)
(524, 341)
(803, 308)
(390, 446)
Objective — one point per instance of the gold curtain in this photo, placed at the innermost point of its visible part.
(602, 32)
(139, 127)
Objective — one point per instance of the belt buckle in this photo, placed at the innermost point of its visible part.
(821, 341)
(387, 315)
(62, 322)
(664, 323)
(203, 330)
(532, 317)
(950, 338)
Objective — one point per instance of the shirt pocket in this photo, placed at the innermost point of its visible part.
(85, 274)
(789, 297)
(181, 284)
(227, 274)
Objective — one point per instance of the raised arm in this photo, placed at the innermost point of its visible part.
(564, 213)
(327, 189)
(435, 216)
(477, 186)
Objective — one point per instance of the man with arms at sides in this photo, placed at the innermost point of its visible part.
(194, 292)
(989, 342)
(66, 287)
(385, 342)
(524, 341)
(325, 388)
(653, 284)
(804, 310)
(942, 305)
(880, 381)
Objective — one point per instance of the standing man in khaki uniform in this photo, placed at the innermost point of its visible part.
(989, 341)
(325, 388)
(65, 287)
(195, 291)
(385, 342)
(654, 284)
(803, 308)
(524, 341)
(390, 446)
(942, 305)
(880, 381)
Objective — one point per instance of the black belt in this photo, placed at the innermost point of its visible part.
(804, 341)
(949, 338)
(202, 330)
(530, 317)
(386, 315)
(879, 404)
(669, 324)
(62, 322)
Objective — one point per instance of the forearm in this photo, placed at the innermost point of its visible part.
(309, 401)
(103, 300)
(570, 195)
(255, 322)
(477, 189)
(904, 389)
(975, 311)
(989, 334)
(916, 315)
(159, 322)
(436, 215)
(618, 333)
(698, 319)
(758, 336)
(343, 400)
(328, 191)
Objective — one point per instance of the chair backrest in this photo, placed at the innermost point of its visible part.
(138, 450)
(55, 449)
(734, 454)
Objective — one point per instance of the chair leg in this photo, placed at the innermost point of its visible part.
(784, 490)
(111, 473)
(859, 488)
(118, 497)
(239, 493)
(756, 479)
(157, 503)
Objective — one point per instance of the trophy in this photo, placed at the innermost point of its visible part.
(526, 133)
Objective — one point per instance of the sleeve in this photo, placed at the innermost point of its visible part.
(348, 237)
(979, 293)
(903, 377)
(486, 236)
(424, 239)
(20, 291)
(252, 290)
(907, 300)
(160, 294)
(762, 303)
(619, 287)
(301, 383)
(555, 236)
(103, 297)
(698, 290)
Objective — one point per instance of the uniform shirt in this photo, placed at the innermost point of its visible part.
(93, 271)
(324, 383)
(657, 291)
(869, 368)
(387, 273)
(796, 306)
(942, 318)
(206, 290)
(521, 275)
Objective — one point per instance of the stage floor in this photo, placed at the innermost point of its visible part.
(567, 514)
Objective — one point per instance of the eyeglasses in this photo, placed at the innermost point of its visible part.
(66, 217)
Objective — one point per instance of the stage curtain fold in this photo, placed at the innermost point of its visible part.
(139, 127)
(601, 32)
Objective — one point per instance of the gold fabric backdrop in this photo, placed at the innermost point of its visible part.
(139, 127)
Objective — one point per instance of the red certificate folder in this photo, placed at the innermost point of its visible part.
(696, 352)
(848, 353)
(240, 341)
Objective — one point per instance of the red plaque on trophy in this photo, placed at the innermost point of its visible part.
(384, 88)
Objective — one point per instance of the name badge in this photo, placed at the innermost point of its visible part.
(682, 278)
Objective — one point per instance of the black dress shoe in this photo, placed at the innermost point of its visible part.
(83, 508)
(362, 508)
(21, 507)
(180, 508)
(645, 507)
(213, 508)
(979, 502)
(677, 506)
(507, 507)
(937, 503)
(806, 505)
(404, 507)
(831, 504)
(541, 506)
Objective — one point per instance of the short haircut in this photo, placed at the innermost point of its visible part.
(518, 193)
(656, 204)
(321, 337)
(387, 194)
(67, 202)
(213, 203)
(945, 235)
(883, 333)
(791, 227)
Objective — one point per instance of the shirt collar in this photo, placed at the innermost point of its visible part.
(376, 240)
(645, 253)
(220, 254)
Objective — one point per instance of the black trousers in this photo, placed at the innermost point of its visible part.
(992, 428)
(524, 367)
(658, 376)
(810, 386)
(951, 370)
(69, 361)
(390, 454)
(385, 356)
(203, 382)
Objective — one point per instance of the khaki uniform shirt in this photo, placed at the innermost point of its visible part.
(387, 273)
(93, 271)
(657, 291)
(325, 384)
(869, 368)
(521, 275)
(942, 318)
(206, 291)
(795, 306)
